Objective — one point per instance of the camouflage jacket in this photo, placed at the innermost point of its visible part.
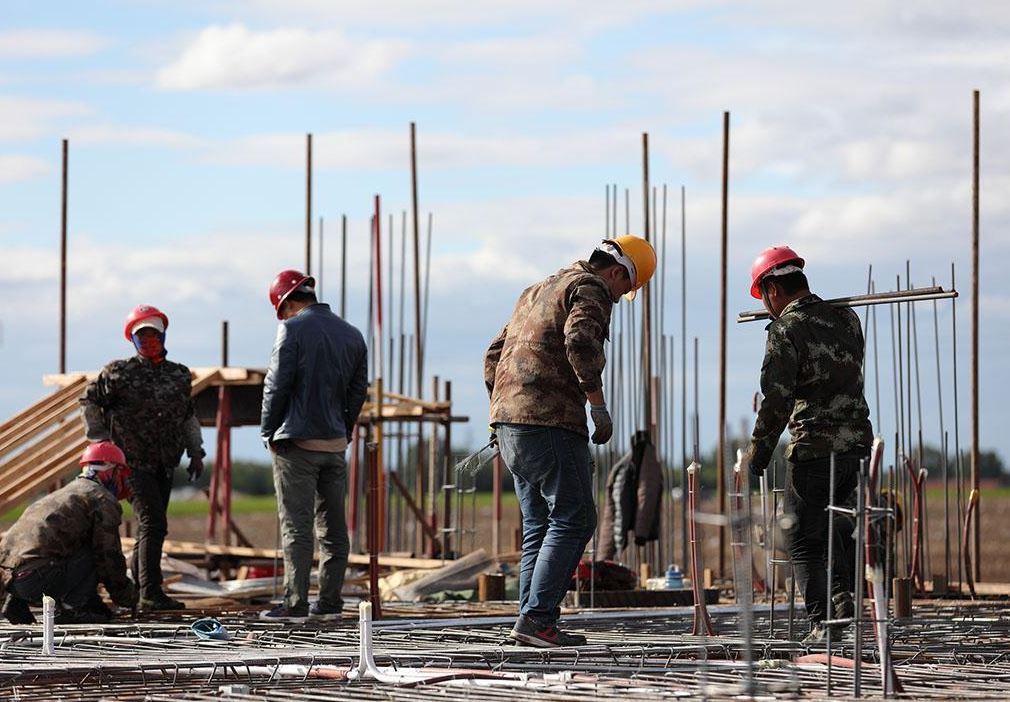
(812, 379)
(550, 354)
(82, 515)
(146, 409)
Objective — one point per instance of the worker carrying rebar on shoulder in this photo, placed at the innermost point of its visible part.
(144, 405)
(313, 393)
(67, 542)
(540, 371)
(812, 381)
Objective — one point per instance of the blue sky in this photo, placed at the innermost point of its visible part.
(850, 140)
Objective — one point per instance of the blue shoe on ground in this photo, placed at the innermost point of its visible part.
(319, 611)
(281, 613)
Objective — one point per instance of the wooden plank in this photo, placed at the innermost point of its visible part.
(42, 451)
(205, 380)
(65, 379)
(193, 549)
(40, 407)
(24, 433)
(56, 470)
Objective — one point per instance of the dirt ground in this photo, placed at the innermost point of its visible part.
(261, 529)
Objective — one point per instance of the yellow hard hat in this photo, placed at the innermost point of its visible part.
(637, 256)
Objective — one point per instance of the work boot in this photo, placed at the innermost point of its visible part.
(97, 605)
(160, 601)
(844, 608)
(16, 611)
(78, 615)
(529, 631)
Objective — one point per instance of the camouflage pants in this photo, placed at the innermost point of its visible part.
(311, 488)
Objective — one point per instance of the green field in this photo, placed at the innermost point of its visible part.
(249, 505)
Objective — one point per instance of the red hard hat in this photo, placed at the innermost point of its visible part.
(767, 261)
(285, 283)
(139, 313)
(103, 452)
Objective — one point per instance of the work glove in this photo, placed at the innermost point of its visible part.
(492, 438)
(603, 423)
(195, 468)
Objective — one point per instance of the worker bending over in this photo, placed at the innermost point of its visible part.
(539, 371)
(66, 543)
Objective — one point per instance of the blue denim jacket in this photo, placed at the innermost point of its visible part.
(318, 378)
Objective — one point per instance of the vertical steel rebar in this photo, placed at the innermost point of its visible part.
(721, 455)
(63, 258)
(308, 204)
(343, 267)
(860, 535)
(683, 372)
(975, 467)
(646, 302)
(958, 468)
(829, 601)
(319, 275)
(943, 440)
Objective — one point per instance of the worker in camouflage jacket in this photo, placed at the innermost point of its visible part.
(812, 381)
(539, 372)
(67, 542)
(144, 405)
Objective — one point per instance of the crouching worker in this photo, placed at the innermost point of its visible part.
(66, 543)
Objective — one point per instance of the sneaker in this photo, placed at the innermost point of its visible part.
(161, 601)
(317, 610)
(17, 611)
(528, 631)
(817, 634)
(281, 613)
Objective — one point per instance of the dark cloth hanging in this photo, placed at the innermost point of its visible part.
(634, 494)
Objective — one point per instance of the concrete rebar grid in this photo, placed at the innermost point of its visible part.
(958, 648)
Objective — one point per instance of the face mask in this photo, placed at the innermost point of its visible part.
(151, 346)
(112, 478)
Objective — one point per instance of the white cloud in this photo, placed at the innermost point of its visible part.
(29, 118)
(381, 149)
(15, 168)
(235, 57)
(48, 43)
(133, 136)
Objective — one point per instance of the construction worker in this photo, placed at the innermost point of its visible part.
(812, 380)
(312, 395)
(66, 543)
(540, 371)
(143, 404)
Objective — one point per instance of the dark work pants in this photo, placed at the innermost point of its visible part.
(151, 492)
(806, 499)
(311, 489)
(71, 581)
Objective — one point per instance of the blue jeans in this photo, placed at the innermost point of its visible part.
(552, 472)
